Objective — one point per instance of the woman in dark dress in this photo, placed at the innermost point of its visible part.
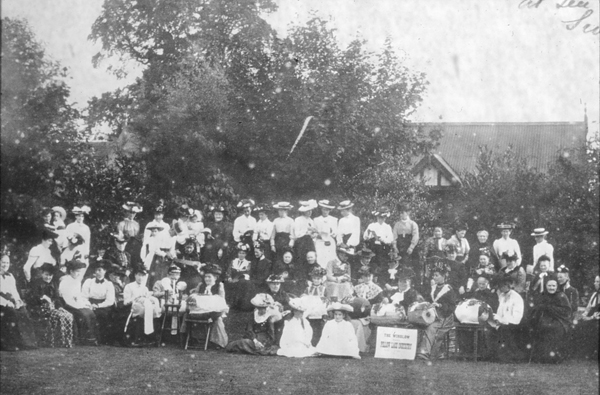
(217, 248)
(47, 308)
(550, 324)
(260, 335)
(210, 286)
(586, 331)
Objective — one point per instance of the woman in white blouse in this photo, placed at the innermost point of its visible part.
(15, 325)
(78, 304)
(100, 292)
(80, 228)
(39, 255)
(379, 237)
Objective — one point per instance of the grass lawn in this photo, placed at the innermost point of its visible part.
(171, 370)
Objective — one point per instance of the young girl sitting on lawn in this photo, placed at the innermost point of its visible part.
(338, 338)
(297, 334)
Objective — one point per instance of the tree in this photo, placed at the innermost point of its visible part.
(564, 201)
(231, 92)
(38, 124)
(573, 190)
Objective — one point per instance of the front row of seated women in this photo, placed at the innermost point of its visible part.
(338, 337)
(101, 310)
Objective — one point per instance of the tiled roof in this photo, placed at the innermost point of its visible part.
(539, 142)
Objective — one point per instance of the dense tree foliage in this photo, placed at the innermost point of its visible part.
(222, 91)
(564, 201)
(38, 124)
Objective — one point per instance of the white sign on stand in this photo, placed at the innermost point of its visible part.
(396, 343)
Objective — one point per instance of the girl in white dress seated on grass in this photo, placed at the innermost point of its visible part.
(338, 338)
(297, 333)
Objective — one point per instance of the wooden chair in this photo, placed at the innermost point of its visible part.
(477, 331)
(171, 310)
(193, 320)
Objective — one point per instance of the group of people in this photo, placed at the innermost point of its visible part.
(312, 283)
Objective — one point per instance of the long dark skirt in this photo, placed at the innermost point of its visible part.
(86, 323)
(104, 317)
(282, 241)
(159, 269)
(16, 329)
(246, 346)
(549, 341)
(116, 325)
(506, 343)
(585, 339)
(317, 327)
(302, 246)
(58, 328)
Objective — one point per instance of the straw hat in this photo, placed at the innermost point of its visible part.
(283, 206)
(539, 232)
(262, 300)
(345, 205)
(337, 306)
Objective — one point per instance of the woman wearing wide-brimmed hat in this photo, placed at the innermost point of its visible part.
(283, 227)
(159, 220)
(259, 338)
(297, 333)
(117, 254)
(208, 299)
(129, 226)
(326, 226)
(47, 308)
(338, 337)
